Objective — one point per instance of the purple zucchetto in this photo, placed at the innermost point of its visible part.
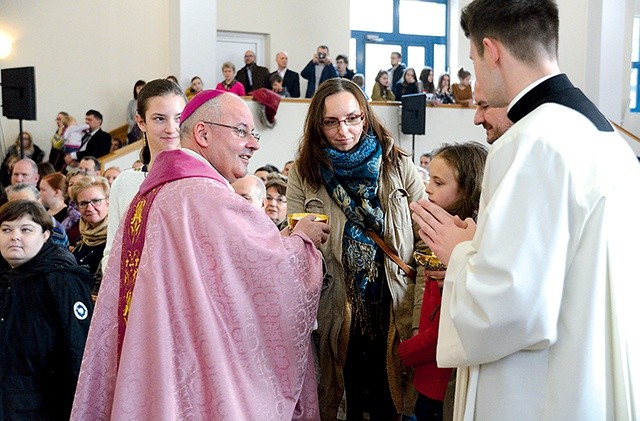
(197, 101)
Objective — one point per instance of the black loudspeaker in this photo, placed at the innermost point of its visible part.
(19, 93)
(413, 113)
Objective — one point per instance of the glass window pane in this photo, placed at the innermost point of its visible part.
(352, 54)
(372, 15)
(416, 59)
(377, 58)
(423, 18)
(635, 40)
(633, 92)
(439, 60)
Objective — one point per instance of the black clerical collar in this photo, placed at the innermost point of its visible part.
(559, 90)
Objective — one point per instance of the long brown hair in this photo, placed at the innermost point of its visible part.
(311, 156)
(467, 160)
(157, 87)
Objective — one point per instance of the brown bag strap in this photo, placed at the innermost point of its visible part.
(411, 273)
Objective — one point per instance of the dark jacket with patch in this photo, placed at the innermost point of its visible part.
(45, 310)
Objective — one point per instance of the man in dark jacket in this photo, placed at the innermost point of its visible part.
(397, 68)
(251, 75)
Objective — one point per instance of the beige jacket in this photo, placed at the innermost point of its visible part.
(398, 188)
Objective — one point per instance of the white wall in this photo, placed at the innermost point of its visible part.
(296, 27)
(279, 144)
(87, 54)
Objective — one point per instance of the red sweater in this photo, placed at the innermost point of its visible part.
(420, 351)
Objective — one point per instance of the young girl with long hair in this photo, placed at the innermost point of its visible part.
(456, 180)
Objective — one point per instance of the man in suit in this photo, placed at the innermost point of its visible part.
(95, 142)
(397, 68)
(290, 79)
(318, 70)
(251, 75)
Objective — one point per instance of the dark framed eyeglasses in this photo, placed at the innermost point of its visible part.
(332, 123)
(94, 202)
(241, 131)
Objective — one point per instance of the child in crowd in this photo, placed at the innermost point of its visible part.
(275, 80)
(456, 179)
(462, 91)
(382, 88)
(196, 87)
(73, 134)
(358, 79)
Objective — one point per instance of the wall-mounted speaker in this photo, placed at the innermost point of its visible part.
(19, 93)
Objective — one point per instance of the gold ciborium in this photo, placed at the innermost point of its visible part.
(429, 260)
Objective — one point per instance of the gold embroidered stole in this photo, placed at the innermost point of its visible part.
(132, 245)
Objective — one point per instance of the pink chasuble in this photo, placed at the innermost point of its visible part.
(219, 319)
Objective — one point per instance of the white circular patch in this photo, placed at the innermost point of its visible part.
(80, 310)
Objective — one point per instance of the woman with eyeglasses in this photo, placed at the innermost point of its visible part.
(276, 198)
(349, 168)
(91, 195)
(31, 150)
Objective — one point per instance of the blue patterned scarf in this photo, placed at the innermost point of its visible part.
(353, 184)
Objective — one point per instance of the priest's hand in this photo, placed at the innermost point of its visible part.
(317, 231)
(439, 230)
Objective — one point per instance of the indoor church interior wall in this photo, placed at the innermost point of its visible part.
(89, 54)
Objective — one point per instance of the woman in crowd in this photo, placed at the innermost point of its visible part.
(133, 132)
(426, 78)
(382, 88)
(443, 94)
(196, 87)
(462, 91)
(276, 207)
(263, 172)
(56, 156)
(53, 193)
(31, 150)
(230, 84)
(91, 195)
(46, 309)
(349, 168)
(407, 85)
(160, 97)
(455, 185)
